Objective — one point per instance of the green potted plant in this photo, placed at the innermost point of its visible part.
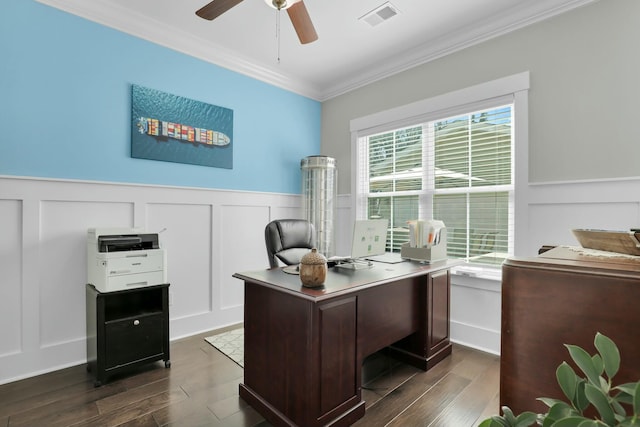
(614, 405)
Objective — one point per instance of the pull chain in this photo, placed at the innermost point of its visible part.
(278, 32)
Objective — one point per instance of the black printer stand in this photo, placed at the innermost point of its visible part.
(126, 329)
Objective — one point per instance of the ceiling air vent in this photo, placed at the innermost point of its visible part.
(379, 14)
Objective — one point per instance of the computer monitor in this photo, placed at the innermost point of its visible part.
(369, 239)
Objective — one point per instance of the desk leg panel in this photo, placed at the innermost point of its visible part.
(300, 359)
(278, 350)
(431, 343)
(339, 369)
(439, 291)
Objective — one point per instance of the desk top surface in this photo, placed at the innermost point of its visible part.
(340, 280)
(580, 259)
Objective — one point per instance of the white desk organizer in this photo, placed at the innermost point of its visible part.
(431, 252)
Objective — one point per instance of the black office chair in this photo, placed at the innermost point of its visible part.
(288, 240)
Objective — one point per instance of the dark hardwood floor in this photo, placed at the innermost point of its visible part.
(201, 389)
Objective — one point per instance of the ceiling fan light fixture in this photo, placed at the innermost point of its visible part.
(280, 4)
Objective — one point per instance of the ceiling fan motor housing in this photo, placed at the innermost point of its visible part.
(279, 4)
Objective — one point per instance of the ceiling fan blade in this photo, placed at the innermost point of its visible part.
(216, 8)
(302, 22)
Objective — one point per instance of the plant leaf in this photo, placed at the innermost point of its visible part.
(636, 400)
(507, 413)
(626, 393)
(560, 410)
(618, 408)
(581, 398)
(628, 388)
(598, 363)
(570, 422)
(567, 380)
(599, 400)
(604, 385)
(584, 362)
(526, 419)
(609, 353)
(549, 401)
(497, 421)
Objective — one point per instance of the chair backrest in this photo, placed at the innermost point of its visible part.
(288, 240)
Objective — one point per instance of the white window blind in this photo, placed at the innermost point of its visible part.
(455, 168)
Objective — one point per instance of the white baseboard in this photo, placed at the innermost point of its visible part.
(475, 337)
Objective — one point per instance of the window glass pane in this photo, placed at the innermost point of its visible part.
(398, 210)
(395, 160)
(449, 166)
(452, 153)
(408, 150)
(452, 210)
(489, 222)
(379, 207)
(381, 155)
(491, 148)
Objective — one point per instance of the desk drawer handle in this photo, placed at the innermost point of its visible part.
(136, 322)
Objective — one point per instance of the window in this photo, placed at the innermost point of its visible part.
(453, 164)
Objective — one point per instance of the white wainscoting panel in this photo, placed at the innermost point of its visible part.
(208, 235)
(11, 324)
(186, 237)
(63, 260)
(475, 313)
(557, 208)
(240, 250)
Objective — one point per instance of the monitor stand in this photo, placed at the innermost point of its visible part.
(354, 264)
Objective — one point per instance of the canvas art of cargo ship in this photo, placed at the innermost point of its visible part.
(185, 133)
(173, 128)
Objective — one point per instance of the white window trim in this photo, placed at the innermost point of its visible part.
(515, 86)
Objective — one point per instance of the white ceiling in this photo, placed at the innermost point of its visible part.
(348, 53)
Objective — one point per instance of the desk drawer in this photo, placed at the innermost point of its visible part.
(132, 339)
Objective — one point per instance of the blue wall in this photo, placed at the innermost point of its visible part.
(65, 91)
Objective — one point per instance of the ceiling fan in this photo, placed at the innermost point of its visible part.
(295, 8)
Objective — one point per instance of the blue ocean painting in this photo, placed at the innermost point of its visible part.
(172, 128)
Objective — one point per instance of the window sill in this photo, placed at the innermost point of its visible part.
(479, 277)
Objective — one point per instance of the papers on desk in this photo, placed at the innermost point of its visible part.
(427, 241)
(425, 233)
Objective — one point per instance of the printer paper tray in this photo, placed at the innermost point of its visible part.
(130, 281)
(132, 262)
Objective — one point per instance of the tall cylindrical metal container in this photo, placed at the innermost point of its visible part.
(319, 194)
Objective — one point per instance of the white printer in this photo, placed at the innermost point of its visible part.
(124, 258)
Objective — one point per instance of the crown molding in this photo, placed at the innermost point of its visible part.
(142, 26)
(509, 21)
(122, 19)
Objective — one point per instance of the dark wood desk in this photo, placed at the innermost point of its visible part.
(563, 297)
(304, 347)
